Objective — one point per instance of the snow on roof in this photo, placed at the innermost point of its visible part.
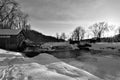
(10, 31)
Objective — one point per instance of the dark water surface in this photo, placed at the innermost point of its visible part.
(68, 53)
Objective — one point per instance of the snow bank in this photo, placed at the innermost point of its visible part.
(45, 58)
(71, 71)
(14, 60)
(41, 67)
(9, 52)
(106, 46)
(53, 71)
(31, 71)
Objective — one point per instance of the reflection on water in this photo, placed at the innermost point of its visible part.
(67, 53)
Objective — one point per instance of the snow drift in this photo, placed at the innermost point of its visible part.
(42, 67)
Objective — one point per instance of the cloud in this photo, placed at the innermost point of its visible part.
(59, 15)
(61, 10)
(70, 10)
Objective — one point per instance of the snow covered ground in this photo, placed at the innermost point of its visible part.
(41, 67)
(13, 66)
(106, 46)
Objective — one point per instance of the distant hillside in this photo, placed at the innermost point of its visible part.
(40, 38)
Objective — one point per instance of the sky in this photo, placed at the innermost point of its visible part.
(57, 16)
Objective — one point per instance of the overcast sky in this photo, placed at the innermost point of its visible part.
(52, 16)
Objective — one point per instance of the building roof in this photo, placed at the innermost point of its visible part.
(10, 31)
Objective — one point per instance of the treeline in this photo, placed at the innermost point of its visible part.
(94, 34)
(116, 38)
(12, 17)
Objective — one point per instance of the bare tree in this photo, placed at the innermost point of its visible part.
(117, 31)
(78, 34)
(57, 35)
(63, 36)
(11, 16)
(98, 29)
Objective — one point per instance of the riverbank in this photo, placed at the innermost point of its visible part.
(42, 67)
